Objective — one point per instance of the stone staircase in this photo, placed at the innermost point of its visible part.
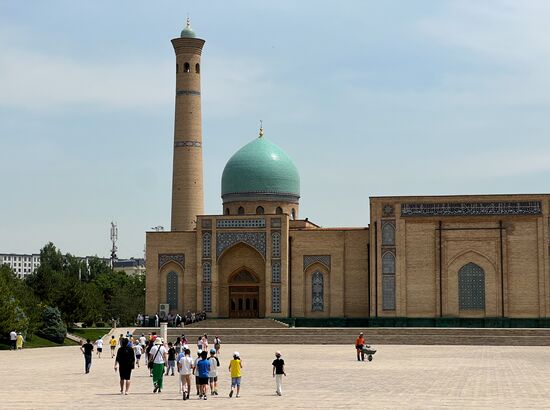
(268, 331)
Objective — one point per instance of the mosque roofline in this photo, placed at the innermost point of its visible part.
(420, 197)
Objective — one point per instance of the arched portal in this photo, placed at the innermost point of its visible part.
(241, 270)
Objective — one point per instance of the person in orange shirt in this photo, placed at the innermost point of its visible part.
(359, 344)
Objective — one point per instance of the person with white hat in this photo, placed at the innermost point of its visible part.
(157, 359)
(278, 372)
(359, 345)
(235, 367)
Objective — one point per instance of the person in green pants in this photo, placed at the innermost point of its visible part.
(157, 359)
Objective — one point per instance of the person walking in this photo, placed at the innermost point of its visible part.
(197, 384)
(138, 350)
(278, 372)
(113, 344)
(157, 359)
(87, 349)
(147, 353)
(13, 339)
(359, 345)
(213, 373)
(202, 370)
(235, 367)
(204, 342)
(199, 343)
(171, 359)
(125, 359)
(19, 341)
(99, 344)
(185, 369)
(217, 345)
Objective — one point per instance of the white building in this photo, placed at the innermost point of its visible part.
(21, 264)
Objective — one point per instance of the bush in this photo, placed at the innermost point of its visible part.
(53, 327)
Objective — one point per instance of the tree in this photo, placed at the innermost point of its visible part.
(12, 314)
(53, 327)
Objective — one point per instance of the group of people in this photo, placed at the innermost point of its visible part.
(164, 359)
(173, 319)
(16, 340)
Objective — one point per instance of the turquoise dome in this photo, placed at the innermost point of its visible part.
(187, 32)
(261, 168)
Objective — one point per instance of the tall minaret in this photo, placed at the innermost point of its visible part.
(187, 188)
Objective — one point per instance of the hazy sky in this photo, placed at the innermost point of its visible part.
(368, 97)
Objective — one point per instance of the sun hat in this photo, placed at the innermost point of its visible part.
(277, 353)
(212, 350)
(236, 354)
(158, 341)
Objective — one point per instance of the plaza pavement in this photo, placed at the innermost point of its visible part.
(319, 376)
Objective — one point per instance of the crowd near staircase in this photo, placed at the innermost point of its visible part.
(269, 331)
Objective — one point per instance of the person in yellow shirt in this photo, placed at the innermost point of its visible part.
(19, 341)
(113, 343)
(235, 367)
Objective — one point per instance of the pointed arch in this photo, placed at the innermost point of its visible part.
(471, 287)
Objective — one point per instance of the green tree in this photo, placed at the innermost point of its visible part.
(12, 313)
(53, 327)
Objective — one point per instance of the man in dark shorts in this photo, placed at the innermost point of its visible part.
(87, 349)
(202, 370)
(126, 359)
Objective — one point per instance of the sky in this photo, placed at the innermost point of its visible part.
(369, 98)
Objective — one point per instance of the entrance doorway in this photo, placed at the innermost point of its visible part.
(244, 301)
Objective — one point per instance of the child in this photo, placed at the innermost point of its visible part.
(99, 344)
(235, 367)
(113, 344)
(138, 350)
(213, 374)
(278, 372)
(217, 345)
(171, 359)
(185, 369)
(202, 370)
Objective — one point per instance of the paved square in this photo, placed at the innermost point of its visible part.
(318, 377)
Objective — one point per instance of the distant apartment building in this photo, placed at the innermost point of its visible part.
(21, 264)
(132, 266)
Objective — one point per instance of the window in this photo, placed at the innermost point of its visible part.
(197, 68)
(260, 210)
(241, 210)
(279, 210)
(227, 211)
(207, 299)
(206, 272)
(388, 264)
(388, 281)
(276, 244)
(276, 299)
(293, 214)
(471, 287)
(177, 68)
(172, 290)
(317, 292)
(388, 233)
(276, 272)
(206, 245)
(186, 68)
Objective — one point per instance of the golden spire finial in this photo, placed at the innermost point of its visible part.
(261, 129)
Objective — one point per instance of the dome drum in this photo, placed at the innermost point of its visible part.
(260, 196)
